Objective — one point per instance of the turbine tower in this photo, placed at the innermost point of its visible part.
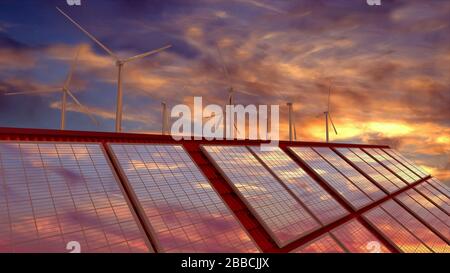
(231, 90)
(165, 119)
(65, 92)
(292, 129)
(328, 118)
(120, 62)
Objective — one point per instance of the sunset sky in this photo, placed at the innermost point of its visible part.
(389, 64)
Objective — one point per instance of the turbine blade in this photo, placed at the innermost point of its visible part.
(295, 129)
(329, 95)
(140, 56)
(88, 34)
(33, 92)
(230, 98)
(332, 123)
(246, 93)
(83, 108)
(224, 66)
(72, 68)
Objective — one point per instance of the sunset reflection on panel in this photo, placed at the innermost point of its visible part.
(50, 196)
(183, 211)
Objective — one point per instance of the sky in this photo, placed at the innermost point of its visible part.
(387, 65)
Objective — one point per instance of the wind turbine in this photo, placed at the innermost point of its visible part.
(328, 117)
(65, 92)
(120, 62)
(292, 128)
(231, 89)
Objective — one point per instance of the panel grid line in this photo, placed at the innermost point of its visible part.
(365, 185)
(339, 183)
(319, 203)
(420, 231)
(49, 200)
(180, 208)
(392, 165)
(276, 209)
(406, 162)
(368, 169)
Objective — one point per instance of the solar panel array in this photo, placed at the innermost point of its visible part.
(184, 212)
(361, 182)
(435, 196)
(55, 193)
(439, 186)
(426, 211)
(321, 204)
(395, 166)
(407, 163)
(385, 179)
(279, 212)
(415, 227)
(141, 197)
(354, 196)
(394, 232)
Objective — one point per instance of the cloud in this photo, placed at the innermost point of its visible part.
(388, 66)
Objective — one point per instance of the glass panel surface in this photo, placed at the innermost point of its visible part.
(183, 211)
(55, 193)
(358, 239)
(408, 221)
(445, 218)
(400, 163)
(324, 244)
(424, 214)
(311, 194)
(440, 186)
(408, 163)
(380, 179)
(404, 240)
(380, 168)
(353, 175)
(278, 211)
(339, 183)
(393, 165)
(437, 197)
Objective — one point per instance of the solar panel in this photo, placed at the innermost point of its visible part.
(433, 222)
(182, 210)
(323, 244)
(393, 165)
(395, 233)
(435, 196)
(408, 163)
(429, 206)
(276, 209)
(358, 239)
(365, 167)
(353, 175)
(408, 221)
(308, 191)
(380, 168)
(404, 166)
(439, 186)
(339, 183)
(55, 193)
